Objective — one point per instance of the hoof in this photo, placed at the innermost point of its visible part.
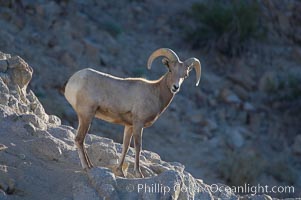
(119, 172)
(138, 174)
(87, 168)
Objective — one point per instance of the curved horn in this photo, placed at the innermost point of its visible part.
(168, 53)
(197, 67)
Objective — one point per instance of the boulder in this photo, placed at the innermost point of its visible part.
(229, 96)
(83, 191)
(247, 106)
(235, 137)
(19, 71)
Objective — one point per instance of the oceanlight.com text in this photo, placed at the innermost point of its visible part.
(214, 188)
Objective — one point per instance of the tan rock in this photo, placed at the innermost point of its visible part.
(20, 72)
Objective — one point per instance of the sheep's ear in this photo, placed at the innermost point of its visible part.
(165, 62)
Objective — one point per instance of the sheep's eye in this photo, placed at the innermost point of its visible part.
(169, 70)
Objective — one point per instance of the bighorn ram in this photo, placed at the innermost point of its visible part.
(135, 103)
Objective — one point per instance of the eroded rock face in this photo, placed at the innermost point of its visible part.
(38, 157)
(19, 72)
(14, 79)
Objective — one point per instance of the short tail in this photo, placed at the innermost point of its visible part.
(62, 88)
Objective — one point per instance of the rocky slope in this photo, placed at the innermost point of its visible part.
(242, 125)
(38, 159)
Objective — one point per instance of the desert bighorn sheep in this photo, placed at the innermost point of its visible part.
(135, 103)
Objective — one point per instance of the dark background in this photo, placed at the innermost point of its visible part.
(242, 125)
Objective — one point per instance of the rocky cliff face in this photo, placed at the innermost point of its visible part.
(38, 159)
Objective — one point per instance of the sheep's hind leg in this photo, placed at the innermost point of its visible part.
(127, 136)
(83, 127)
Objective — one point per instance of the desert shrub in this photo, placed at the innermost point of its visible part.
(112, 27)
(247, 165)
(223, 25)
(240, 167)
(284, 87)
(283, 171)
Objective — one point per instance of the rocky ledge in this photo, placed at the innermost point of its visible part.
(38, 159)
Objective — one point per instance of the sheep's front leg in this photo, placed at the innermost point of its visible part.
(137, 133)
(127, 136)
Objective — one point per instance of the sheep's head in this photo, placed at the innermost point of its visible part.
(178, 70)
